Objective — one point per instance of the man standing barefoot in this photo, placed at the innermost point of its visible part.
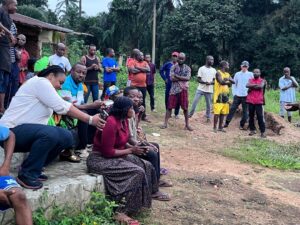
(180, 75)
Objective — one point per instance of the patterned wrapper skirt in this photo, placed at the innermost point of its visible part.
(128, 180)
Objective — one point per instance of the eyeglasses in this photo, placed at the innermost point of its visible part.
(174, 56)
(181, 58)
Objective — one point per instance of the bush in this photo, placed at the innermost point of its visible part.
(99, 211)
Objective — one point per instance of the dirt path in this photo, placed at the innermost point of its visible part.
(212, 189)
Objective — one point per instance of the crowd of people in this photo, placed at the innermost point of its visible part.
(46, 111)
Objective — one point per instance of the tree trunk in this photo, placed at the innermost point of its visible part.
(154, 32)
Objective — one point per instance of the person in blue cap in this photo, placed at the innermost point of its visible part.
(11, 195)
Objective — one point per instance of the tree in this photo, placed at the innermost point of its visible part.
(201, 28)
(36, 3)
(32, 11)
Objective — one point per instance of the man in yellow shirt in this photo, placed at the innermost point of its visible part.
(221, 95)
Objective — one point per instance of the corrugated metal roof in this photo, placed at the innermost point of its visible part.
(25, 20)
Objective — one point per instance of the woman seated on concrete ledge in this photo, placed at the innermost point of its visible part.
(27, 117)
(129, 180)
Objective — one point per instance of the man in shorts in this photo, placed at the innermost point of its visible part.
(221, 95)
(180, 76)
(11, 195)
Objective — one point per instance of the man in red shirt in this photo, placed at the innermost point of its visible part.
(255, 100)
(139, 69)
(23, 56)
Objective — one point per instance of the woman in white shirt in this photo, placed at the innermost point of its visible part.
(27, 117)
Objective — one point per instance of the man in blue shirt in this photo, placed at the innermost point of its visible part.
(287, 85)
(240, 92)
(111, 69)
(165, 75)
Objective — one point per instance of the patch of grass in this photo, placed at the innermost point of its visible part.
(266, 153)
(98, 211)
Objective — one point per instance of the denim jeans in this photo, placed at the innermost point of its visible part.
(13, 84)
(167, 94)
(94, 88)
(208, 100)
(236, 102)
(44, 143)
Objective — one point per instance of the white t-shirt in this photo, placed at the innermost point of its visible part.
(34, 103)
(207, 75)
(61, 61)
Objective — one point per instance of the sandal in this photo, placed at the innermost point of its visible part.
(222, 130)
(163, 183)
(69, 155)
(159, 196)
(122, 218)
(164, 171)
(163, 127)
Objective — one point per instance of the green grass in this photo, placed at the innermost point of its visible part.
(266, 153)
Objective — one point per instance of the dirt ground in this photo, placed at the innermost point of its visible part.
(211, 189)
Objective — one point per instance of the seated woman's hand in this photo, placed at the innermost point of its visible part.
(138, 150)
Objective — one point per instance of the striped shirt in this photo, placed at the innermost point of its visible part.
(13, 30)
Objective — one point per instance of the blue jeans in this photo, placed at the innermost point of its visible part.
(167, 94)
(94, 88)
(44, 143)
(235, 105)
(208, 100)
(13, 84)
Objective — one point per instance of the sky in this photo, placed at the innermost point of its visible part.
(90, 7)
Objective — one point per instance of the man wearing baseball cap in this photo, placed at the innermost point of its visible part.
(240, 92)
(165, 75)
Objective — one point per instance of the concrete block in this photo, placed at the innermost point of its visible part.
(68, 184)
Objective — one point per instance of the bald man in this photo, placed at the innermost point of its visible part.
(59, 58)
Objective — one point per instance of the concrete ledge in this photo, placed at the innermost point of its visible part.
(68, 184)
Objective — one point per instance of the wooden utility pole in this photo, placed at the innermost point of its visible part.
(154, 32)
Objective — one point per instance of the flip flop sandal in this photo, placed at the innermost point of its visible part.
(222, 130)
(133, 222)
(164, 171)
(162, 197)
(165, 184)
(84, 154)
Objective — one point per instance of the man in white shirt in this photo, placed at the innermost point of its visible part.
(206, 78)
(59, 59)
(240, 92)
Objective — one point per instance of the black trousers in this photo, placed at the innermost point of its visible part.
(106, 85)
(144, 92)
(236, 102)
(150, 89)
(154, 158)
(259, 110)
(86, 132)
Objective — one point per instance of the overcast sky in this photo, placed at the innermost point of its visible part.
(90, 7)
